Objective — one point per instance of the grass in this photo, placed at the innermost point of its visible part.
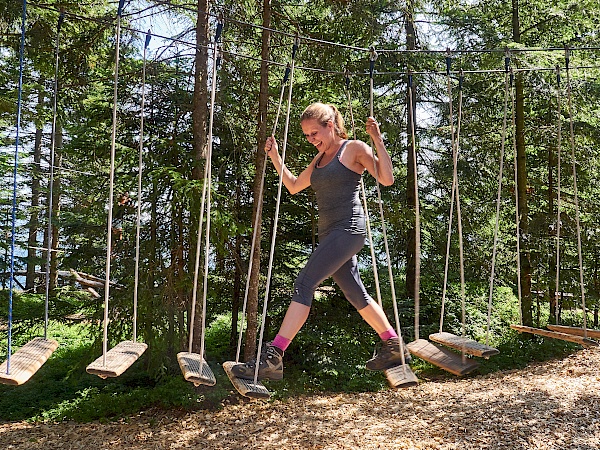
(327, 356)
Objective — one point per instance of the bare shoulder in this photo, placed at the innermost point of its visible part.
(358, 150)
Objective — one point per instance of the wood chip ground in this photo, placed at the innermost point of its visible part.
(547, 406)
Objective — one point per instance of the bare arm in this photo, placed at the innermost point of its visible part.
(379, 165)
(292, 183)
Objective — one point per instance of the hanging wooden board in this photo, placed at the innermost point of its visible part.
(556, 335)
(594, 334)
(27, 360)
(195, 369)
(401, 376)
(118, 359)
(442, 357)
(247, 388)
(460, 343)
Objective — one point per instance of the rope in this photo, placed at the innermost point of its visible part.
(111, 185)
(257, 218)
(205, 194)
(51, 179)
(14, 199)
(381, 214)
(364, 201)
(340, 45)
(139, 193)
(372, 60)
(455, 139)
(453, 190)
(413, 151)
(558, 191)
(517, 215)
(459, 223)
(575, 196)
(498, 198)
(349, 47)
(277, 205)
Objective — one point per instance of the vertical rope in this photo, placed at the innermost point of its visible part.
(364, 201)
(111, 185)
(413, 150)
(277, 205)
(498, 197)
(453, 190)
(14, 199)
(517, 214)
(558, 192)
(381, 215)
(459, 223)
(51, 178)
(208, 191)
(139, 192)
(257, 218)
(575, 195)
(372, 60)
(197, 261)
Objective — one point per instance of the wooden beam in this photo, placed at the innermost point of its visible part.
(118, 359)
(442, 357)
(460, 343)
(26, 361)
(195, 369)
(595, 334)
(401, 376)
(556, 335)
(247, 388)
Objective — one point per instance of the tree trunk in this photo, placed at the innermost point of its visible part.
(411, 176)
(199, 121)
(34, 221)
(526, 304)
(263, 99)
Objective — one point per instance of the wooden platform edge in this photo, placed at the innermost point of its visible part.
(459, 343)
(577, 331)
(246, 388)
(26, 361)
(556, 335)
(441, 357)
(401, 376)
(118, 359)
(195, 369)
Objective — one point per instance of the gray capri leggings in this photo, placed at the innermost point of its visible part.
(335, 256)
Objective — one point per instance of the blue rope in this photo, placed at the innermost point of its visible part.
(14, 202)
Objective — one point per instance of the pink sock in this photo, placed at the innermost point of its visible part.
(281, 343)
(388, 334)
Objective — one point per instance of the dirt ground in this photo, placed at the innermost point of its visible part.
(552, 405)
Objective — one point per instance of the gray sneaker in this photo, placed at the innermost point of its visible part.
(389, 355)
(270, 366)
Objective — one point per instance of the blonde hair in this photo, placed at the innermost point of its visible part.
(323, 113)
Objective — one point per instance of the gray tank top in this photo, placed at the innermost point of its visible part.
(338, 197)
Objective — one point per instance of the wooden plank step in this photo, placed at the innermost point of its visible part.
(464, 344)
(556, 335)
(591, 333)
(27, 360)
(401, 376)
(118, 359)
(442, 357)
(247, 388)
(195, 369)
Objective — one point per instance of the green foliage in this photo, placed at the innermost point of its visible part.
(330, 352)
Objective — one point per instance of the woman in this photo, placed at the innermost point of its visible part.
(335, 174)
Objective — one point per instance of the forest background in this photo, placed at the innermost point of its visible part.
(484, 37)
